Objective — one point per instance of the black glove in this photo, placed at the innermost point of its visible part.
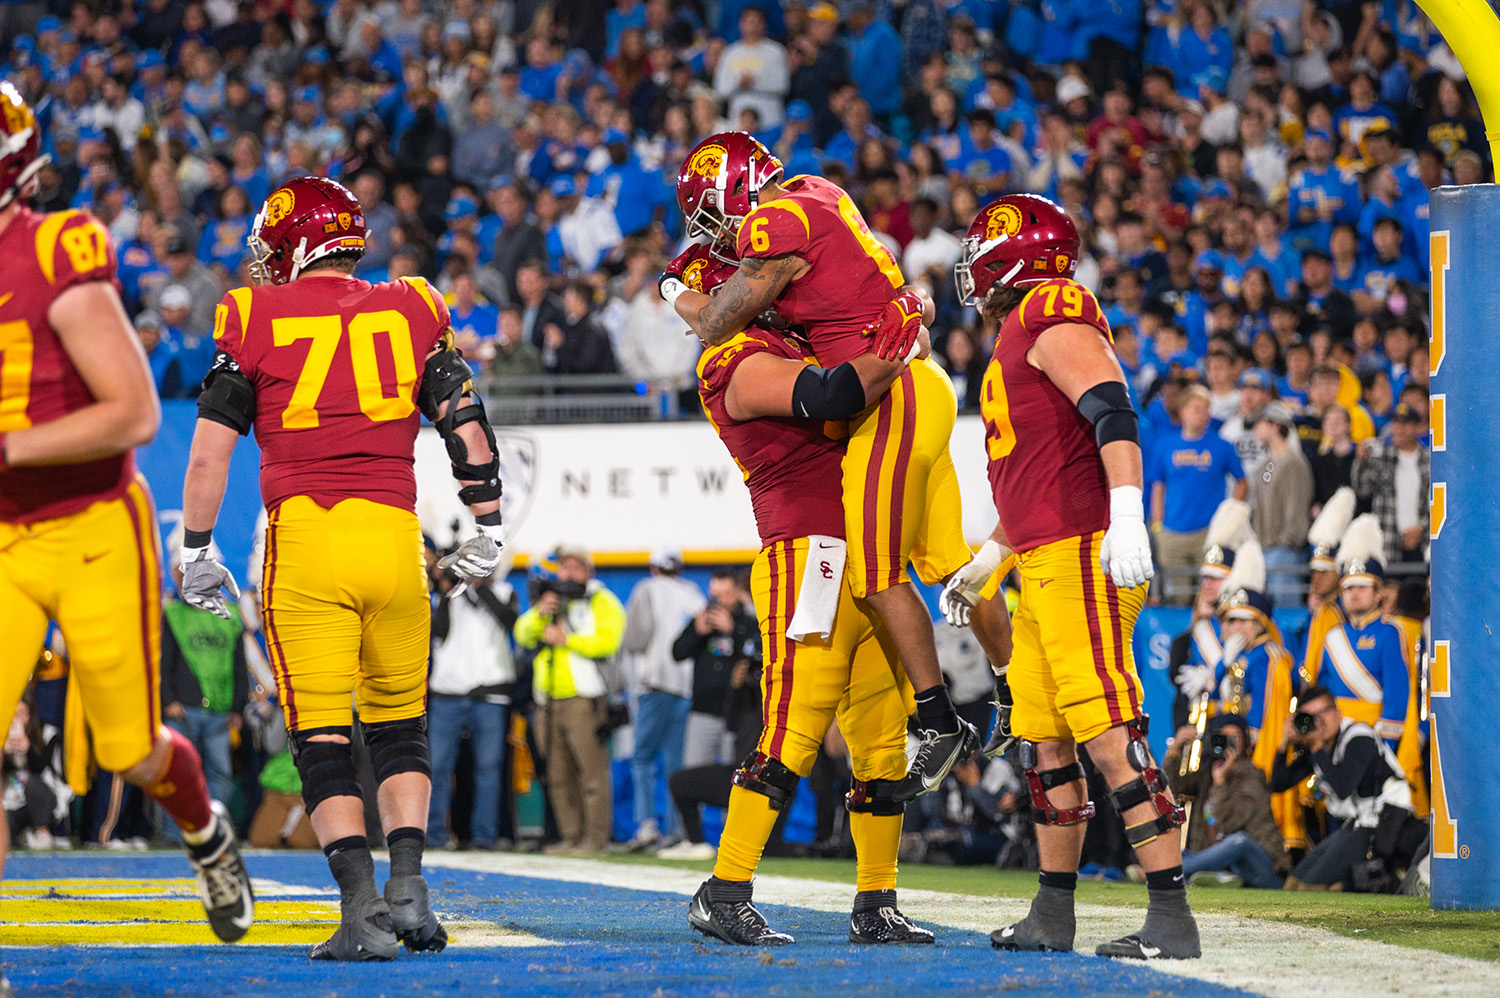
(1000, 739)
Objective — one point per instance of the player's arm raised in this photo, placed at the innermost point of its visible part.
(125, 413)
(752, 289)
(764, 385)
(1079, 360)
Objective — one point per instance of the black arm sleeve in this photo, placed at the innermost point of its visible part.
(172, 665)
(228, 398)
(689, 643)
(1107, 406)
(822, 394)
(241, 678)
(1285, 775)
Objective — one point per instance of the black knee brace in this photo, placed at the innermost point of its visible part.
(326, 768)
(874, 797)
(398, 747)
(1038, 782)
(1150, 787)
(765, 775)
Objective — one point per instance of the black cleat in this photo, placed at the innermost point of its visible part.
(223, 884)
(412, 917)
(1047, 928)
(877, 920)
(366, 933)
(937, 753)
(724, 910)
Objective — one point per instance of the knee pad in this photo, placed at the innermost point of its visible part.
(874, 797)
(398, 747)
(767, 776)
(326, 768)
(1150, 787)
(1038, 782)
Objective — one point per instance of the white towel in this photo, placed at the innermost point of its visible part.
(822, 580)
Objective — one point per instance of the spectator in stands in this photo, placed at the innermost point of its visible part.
(579, 345)
(470, 681)
(541, 312)
(195, 347)
(161, 353)
(36, 791)
(658, 609)
(753, 72)
(1257, 387)
(575, 626)
(1333, 461)
(1317, 295)
(652, 340)
(1191, 470)
(1233, 837)
(514, 356)
(1281, 499)
(1394, 481)
(204, 290)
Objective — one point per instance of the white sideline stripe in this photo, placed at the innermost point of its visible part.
(1266, 957)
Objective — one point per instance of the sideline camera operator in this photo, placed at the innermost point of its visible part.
(577, 626)
(1364, 788)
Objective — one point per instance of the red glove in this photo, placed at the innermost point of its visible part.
(898, 327)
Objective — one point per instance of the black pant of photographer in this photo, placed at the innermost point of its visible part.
(1333, 860)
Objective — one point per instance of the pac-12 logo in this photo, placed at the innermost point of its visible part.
(1004, 221)
(708, 161)
(279, 206)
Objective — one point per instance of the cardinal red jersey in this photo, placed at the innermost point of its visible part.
(851, 275)
(793, 467)
(1044, 466)
(336, 364)
(41, 256)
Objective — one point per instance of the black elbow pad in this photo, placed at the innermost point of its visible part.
(823, 394)
(445, 378)
(228, 397)
(1107, 406)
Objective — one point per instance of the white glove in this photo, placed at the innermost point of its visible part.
(1193, 680)
(962, 591)
(1234, 647)
(1125, 555)
(203, 578)
(476, 558)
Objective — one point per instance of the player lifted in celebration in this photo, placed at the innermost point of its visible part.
(332, 373)
(1065, 467)
(824, 653)
(804, 249)
(78, 533)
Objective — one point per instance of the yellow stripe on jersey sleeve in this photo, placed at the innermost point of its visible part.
(425, 290)
(47, 235)
(788, 205)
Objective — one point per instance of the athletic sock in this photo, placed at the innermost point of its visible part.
(729, 891)
(1166, 881)
(405, 845)
(746, 829)
(181, 790)
(935, 710)
(873, 900)
(877, 841)
(353, 867)
(1061, 881)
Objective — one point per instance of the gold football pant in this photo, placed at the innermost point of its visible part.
(347, 612)
(901, 496)
(1072, 671)
(97, 573)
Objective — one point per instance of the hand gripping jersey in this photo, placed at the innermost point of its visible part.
(336, 364)
(1044, 466)
(791, 466)
(852, 275)
(42, 256)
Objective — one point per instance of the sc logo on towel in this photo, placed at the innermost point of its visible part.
(827, 569)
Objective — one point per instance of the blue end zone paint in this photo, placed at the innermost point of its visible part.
(613, 942)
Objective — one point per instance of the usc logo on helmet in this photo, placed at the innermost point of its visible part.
(1004, 221)
(279, 206)
(708, 161)
(18, 117)
(692, 274)
(344, 220)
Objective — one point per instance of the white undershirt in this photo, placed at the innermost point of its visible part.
(1408, 491)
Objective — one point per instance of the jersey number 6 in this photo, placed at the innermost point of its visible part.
(326, 331)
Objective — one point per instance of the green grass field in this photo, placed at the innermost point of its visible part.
(1402, 921)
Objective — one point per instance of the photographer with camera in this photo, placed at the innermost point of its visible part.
(718, 638)
(469, 689)
(1233, 838)
(1362, 786)
(576, 626)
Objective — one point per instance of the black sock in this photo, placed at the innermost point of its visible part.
(1170, 879)
(352, 866)
(935, 709)
(405, 845)
(729, 891)
(1061, 881)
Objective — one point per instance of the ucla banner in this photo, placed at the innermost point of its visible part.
(1464, 683)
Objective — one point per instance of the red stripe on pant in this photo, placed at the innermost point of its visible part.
(149, 582)
(1112, 592)
(898, 478)
(1096, 639)
(789, 648)
(274, 640)
(872, 497)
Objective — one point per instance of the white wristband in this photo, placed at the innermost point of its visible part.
(495, 533)
(989, 557)
(187, 555)
(1126, 500)
(672, 289)
(916, 348)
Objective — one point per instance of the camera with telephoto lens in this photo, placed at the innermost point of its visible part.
(539, 586)
(1304, 722)
(1218, 746)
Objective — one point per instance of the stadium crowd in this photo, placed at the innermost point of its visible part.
(1250, 180)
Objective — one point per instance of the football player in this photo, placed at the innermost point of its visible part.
(1065, 468)
(334, 375)
(803, 246)
(78, 532)
(824, 653)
